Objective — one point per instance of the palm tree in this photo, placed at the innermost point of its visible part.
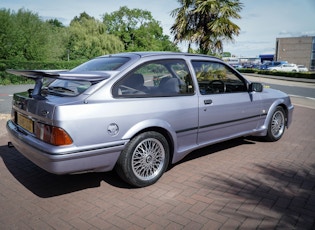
(207, 23)
(181, 28)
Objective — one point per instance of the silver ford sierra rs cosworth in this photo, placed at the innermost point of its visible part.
(139, 112)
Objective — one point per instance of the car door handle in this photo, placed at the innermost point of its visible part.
(208, 102)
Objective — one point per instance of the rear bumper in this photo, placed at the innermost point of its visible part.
(64, 160)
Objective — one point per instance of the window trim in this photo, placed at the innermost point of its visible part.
(168, 68)
(227, 67)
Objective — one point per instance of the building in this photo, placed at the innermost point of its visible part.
(297, 50)
(266, 57)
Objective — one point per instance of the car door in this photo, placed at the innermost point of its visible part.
(226, 108)
(161, 93)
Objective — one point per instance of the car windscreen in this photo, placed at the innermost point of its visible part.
(102, 64)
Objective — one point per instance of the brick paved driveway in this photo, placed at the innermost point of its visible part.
(244, 183)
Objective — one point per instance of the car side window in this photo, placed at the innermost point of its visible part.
(155, 79)
(216, 78)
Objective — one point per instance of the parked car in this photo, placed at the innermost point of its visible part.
(251, 66)
(138, 113)
(238, 66)
(268, 64)
(302, 68)
(285, 68)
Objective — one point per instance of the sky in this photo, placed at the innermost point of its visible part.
(261, 21)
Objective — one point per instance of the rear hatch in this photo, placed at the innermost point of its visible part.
(51, 89)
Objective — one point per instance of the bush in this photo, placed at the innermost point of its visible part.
(307, 75)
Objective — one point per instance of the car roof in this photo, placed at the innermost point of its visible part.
(142, 54)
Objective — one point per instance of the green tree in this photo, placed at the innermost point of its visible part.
(6, 23)
(206, 23)
(24, 36)
(138, 30)
(226, 54)
(57, 39)
(81, 17)
(88, 39)
(55, 22)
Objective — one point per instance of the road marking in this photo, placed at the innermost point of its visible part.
(304, 106)
(292, 95)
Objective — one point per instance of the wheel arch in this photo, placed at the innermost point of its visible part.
(272, 109)
(284, 107)
(160, 127)
(167, 136)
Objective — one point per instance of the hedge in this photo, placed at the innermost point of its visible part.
(6, 78)
(307, 75)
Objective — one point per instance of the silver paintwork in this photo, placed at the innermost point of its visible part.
(101, 124)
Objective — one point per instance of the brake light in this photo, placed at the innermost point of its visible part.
(52, 135)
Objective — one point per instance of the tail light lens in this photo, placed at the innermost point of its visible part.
(52, 135)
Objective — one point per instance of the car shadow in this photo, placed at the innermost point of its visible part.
(45, 185)
(218, 147)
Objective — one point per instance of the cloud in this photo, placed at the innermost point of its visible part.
(251, 16)
(285, 33)
(249, 48)
(309, 33)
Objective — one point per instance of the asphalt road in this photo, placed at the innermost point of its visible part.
(295, 90)
(6, 94)
(301, 93)
(304, 89)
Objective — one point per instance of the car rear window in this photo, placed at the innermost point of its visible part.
(68, 88)
(102, 64)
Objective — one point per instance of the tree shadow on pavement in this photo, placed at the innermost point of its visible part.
(280, 195)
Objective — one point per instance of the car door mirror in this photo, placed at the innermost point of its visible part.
(256, 87)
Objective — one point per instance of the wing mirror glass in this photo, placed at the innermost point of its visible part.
(256, 87)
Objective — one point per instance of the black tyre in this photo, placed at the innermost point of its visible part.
(276, 125)
(144, 159)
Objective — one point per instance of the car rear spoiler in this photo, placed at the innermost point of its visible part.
(61, 74)
(38, 75)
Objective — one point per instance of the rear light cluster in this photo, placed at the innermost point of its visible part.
(51, 134)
